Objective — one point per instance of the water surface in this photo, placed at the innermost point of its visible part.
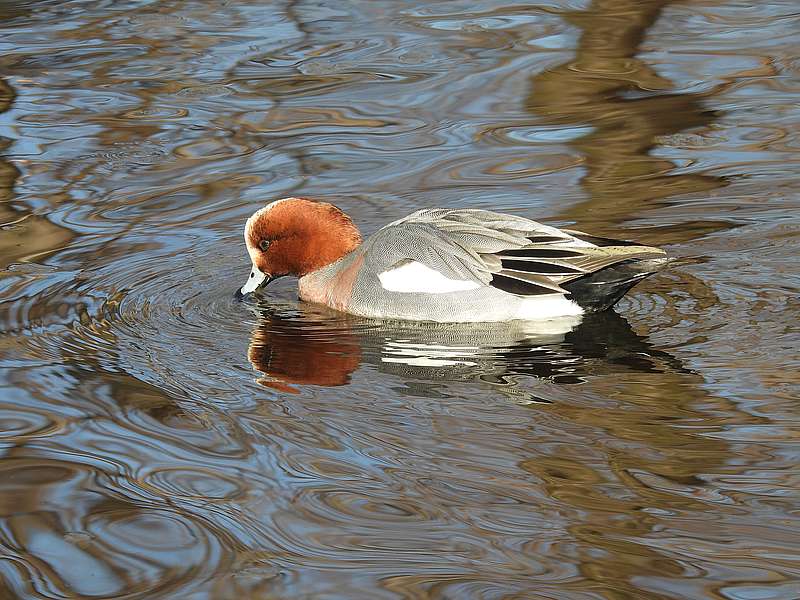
(159, 439)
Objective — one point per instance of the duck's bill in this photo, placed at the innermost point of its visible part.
(256, 280)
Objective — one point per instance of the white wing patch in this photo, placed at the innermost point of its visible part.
(414, 277)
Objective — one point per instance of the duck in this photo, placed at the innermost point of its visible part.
(445, 265)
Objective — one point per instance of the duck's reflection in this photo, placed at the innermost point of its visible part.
(291, 347)
(308, 345)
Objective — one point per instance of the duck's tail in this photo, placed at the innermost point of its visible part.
(603, 289)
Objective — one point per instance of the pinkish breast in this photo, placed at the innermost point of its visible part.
(333, 289)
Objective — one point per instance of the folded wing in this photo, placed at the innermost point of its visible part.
(511, 253)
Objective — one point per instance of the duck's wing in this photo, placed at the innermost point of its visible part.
(511, 253)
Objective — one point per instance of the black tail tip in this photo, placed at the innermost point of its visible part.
(604, 288)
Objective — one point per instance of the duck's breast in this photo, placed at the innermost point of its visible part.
(334, 284)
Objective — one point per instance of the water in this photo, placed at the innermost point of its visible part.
(161, 440)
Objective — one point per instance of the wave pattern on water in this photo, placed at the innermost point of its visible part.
(159, 439)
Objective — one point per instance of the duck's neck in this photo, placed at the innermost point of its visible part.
(326, 241)
(332, 284)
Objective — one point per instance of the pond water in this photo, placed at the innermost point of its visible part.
(159, 439)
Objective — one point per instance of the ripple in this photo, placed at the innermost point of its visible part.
(535, 134)
(210, 90)
(17, 425)
(472, 169)
(159, 549)
(193, 483)
(124, 156)
(326, 67)
(156, 113)
(344, 505)
(310, 121)
(158, 20)
(215, 149)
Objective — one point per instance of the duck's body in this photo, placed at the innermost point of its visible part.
(443, 265)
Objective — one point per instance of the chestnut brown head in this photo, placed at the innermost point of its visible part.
(296, 236)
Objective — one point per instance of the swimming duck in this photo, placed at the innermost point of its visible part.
(444, 265)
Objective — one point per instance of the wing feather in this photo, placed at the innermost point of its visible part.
(509, 252)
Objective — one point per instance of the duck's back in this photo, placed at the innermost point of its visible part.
(474, 265)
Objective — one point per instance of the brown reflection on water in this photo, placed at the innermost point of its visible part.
(628, 106)
(660, 464)
(289, 355)
(24, 235)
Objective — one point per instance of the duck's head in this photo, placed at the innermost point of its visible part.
(296, 236)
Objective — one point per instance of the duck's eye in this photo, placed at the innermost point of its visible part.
(264, 245)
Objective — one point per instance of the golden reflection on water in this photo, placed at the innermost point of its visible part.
(628, 106)
(160, 440)
(26, 236)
